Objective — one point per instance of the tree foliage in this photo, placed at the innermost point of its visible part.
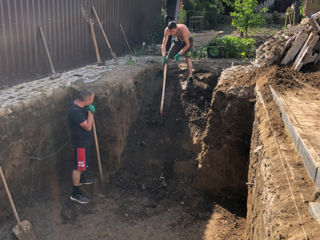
(231, 47)
(246, 16)
(210, 9)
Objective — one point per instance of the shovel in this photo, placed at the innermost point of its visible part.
(23, 229)
(99, 160)
(163, 87)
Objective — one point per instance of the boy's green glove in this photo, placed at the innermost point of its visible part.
(92, 109)
(164, 59)
(177, 57)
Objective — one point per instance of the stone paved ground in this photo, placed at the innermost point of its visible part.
(300, 111)
(25, 92)
(302, 108)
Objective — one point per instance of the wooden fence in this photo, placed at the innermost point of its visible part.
(65, 25)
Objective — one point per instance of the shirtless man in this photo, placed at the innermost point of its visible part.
(183, 44)
(170, 11)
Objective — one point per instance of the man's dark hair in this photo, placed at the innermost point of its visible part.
(172, 25)
(83, 94)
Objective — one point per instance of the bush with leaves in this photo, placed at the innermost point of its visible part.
(246, 16)
(210, 9)
(231, 47)
(156, 35)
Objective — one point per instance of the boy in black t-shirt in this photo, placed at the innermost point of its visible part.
(80, 121)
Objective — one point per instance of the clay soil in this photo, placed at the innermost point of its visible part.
(286, 80)
(151, 196)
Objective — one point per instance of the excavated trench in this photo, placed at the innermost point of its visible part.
(180, 175)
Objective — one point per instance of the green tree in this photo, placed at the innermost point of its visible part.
(246, 16)
(210, 9)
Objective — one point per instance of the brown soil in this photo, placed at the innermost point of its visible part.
(282, 221)
(286, 79)
(151, 196)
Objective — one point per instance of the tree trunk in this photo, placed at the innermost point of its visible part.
(296, 18)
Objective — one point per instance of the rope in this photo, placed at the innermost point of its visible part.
(283, 166)
(51, 155)
(33, 158)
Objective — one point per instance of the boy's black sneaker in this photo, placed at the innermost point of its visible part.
(79, 198)
(190, 82)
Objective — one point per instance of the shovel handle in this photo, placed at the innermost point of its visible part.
(9, 196)
(125, 38)
(98, 151)
(94, 39)
(47, 50)
(163, 87)
(104, 33)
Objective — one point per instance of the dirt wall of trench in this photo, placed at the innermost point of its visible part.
(223, 161)
(35, 146)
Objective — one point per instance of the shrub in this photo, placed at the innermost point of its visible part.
(156, 35)
(231, 47)
(246, 16)
(276, 17)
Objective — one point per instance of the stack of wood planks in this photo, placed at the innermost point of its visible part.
(296, 47)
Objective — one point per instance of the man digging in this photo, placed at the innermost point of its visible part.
(183, 44)
(80, 121)
(170, 12)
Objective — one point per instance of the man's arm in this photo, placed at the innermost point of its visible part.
(187, 41)
(164, 42)
(87, 124)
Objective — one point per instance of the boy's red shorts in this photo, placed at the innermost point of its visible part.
(81, 158)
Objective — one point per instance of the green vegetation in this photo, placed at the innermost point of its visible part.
(212, 10)
(231, 47)
(246, 15)
(199, 52)
(156, 35)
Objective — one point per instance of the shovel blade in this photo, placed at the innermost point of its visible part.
(24, 231)
(99, 189)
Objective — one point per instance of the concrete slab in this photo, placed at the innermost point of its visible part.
(314, 209)
(302, 122)
(296, 46)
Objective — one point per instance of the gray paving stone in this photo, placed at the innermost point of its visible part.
(314, 209)
(300, 132)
